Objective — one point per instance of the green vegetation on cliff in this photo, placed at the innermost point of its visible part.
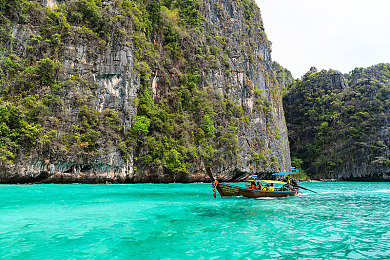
(339, 124)
(190, 120)
(49, 114)
(34, 94)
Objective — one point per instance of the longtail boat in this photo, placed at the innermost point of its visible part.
(228, 190)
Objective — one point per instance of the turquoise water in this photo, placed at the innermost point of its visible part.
(184, 221)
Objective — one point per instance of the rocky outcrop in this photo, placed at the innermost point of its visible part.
(283, 75)
(106, 71)
(249, 79)
(339, 125)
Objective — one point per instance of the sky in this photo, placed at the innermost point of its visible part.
(327, 34)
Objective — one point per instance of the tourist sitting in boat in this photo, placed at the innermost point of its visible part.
(254, 185)
(267, 185)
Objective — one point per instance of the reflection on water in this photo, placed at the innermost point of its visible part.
(176, 221)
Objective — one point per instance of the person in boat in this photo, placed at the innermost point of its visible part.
(288, 181)
(294, 182)
(257, 186)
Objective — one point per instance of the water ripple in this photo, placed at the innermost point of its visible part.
(176, 221)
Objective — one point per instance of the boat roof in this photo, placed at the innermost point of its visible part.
(268, 181)
(283, 173)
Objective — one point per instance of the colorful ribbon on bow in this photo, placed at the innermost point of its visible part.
(214, 185)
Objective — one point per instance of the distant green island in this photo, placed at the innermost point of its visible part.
(339, 124)
(133, 91)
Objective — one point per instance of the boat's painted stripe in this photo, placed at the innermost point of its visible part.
(267, 191)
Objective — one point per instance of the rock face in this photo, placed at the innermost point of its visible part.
(250, 81)
(339, 124)
(140, 92)
(283, 75)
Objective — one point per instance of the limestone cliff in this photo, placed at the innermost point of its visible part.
(339, 124)
(283, 75)
(135, 91)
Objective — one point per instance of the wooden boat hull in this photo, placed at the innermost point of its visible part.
(227, 190)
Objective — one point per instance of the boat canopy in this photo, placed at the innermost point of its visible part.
(272, 181)
(283, 173)
(268, 181)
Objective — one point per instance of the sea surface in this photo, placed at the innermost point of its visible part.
(345, 220)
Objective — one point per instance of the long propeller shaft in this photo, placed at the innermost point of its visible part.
(305, 188)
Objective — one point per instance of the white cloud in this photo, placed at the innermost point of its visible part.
(337, 34)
